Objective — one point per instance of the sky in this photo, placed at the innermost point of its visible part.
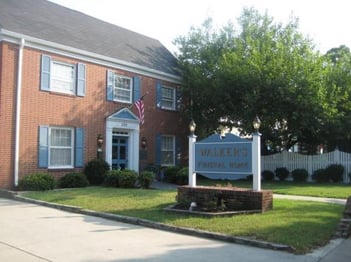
(326, 22)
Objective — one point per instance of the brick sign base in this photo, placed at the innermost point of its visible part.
(228, 198)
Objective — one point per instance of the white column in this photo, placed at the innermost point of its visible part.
(192, 174)
(256, 161)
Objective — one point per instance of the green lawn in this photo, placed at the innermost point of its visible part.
(302, 225)
(330, 190)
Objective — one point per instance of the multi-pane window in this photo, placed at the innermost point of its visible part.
(60, 147)
(122, 89)
(63, 77)
(168, 96)
(167, 150)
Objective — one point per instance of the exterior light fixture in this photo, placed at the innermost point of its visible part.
(100, 141)
(256, 124)
(143, 142)
(192, 127)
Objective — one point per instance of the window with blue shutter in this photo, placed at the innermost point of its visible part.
(178, 99)
(79, 148)
(167, 97)
(43, 154)
(158, 95)
(136, 88)
(62, 77)
(45, 73)
(120, 88)
(178, 155)
(109, 89)
(158, 150)
(60, 147)
(81, 76)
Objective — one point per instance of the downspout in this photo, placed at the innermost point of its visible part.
(18, 109)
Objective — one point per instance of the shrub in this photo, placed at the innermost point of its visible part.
(182, 176)
(282, 173)
(335, 172)
(71, 180)
(299, 175)
(37, 182)
(96, 170)
(320, 176)
(145, 178)
(170, 174)
(267, 175)
(127, 178)
(111, 178)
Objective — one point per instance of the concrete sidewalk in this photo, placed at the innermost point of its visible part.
(29, 232)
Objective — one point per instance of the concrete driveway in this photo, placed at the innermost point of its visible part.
(30, 232)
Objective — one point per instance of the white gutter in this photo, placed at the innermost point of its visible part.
(18, 109)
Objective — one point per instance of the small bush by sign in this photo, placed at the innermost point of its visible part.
(182, 176)
(37, 182)
(335, 172)
(170, 174)
(320, 176)
(267, 175)
(282, 173)
(299, 175)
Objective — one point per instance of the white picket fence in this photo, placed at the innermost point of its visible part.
(309, 162)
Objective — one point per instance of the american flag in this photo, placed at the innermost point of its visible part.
(140, 106)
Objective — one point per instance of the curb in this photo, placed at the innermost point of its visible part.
(150, 224)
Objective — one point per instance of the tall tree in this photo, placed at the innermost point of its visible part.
(338, 130)
(264, 69)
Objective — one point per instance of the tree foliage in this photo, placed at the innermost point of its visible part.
(266, 69)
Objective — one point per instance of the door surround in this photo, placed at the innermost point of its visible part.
(123, 121)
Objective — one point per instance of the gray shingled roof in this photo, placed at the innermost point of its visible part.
(48, 21)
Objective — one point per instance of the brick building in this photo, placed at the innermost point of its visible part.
(66, 78)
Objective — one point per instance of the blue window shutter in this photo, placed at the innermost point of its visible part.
(43, 157)
(136, 88)
(109, 88)
(45, 73)
(79, 148)
(178, 99)
(158, 150)
(158, 95)
(81, 79)
(178, 150)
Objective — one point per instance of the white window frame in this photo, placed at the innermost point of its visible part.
(64, 79)
(116, 88)
(71, 147)
(167, 99)
(167, 150)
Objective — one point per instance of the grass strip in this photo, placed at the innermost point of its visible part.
(302, 225)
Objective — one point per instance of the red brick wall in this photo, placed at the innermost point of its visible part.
(49, 108)
(8, 66)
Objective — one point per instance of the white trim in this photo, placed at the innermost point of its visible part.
(18, 110)
(67, 147)
(87, 56)
(173, 149)
(116, 88)
(131, 127)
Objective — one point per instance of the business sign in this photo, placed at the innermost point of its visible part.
(223, 155)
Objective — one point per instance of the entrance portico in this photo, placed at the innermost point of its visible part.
(122, 140)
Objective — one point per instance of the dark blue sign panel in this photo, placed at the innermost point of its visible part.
(232, 155)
